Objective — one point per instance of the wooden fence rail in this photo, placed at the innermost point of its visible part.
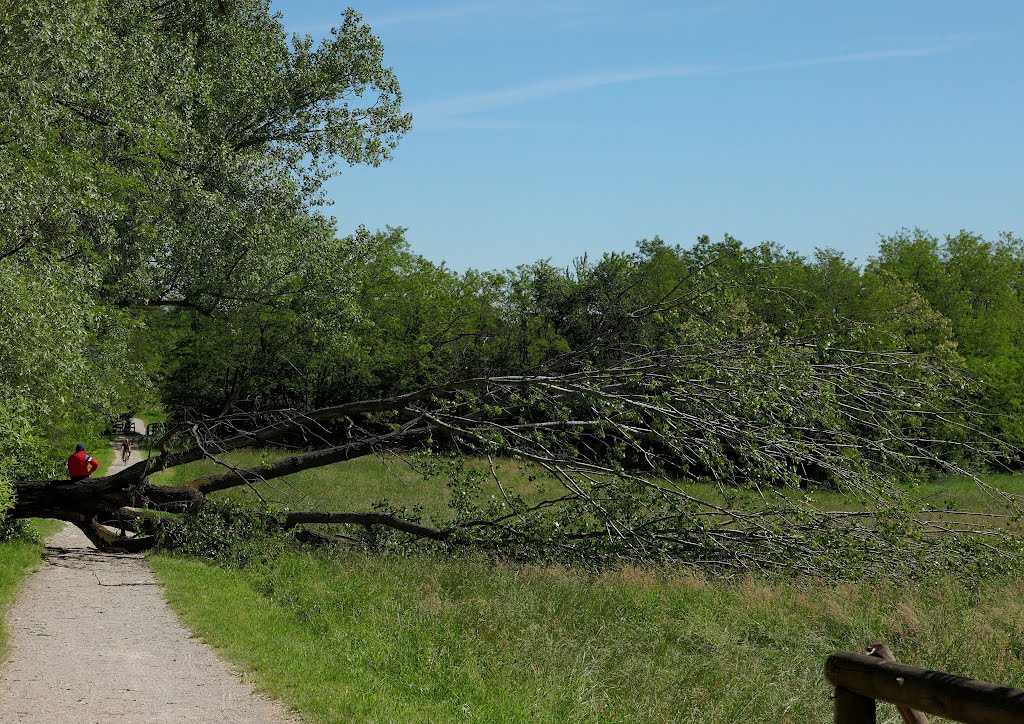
(860, 680)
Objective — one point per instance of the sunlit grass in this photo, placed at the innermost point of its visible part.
(152, 414)
(104, 455)
(16, 560)
(362, 638)
(358, 484)
(349, 636)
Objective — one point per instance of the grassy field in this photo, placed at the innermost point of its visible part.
(353, 637)
(359, 638)
(152, 414)
(104, 455)
(358, 484)
(354, 485)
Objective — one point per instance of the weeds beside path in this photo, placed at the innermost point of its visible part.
(17, 559)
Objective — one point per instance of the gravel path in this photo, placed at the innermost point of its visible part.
(93, 640)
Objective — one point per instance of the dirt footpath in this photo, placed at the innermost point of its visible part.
(93, 640)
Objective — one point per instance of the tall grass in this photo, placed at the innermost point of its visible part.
(349, 636)
(359, 638)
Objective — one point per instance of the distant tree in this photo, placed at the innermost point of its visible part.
(977, 285)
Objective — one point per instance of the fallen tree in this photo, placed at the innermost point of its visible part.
(746, 412)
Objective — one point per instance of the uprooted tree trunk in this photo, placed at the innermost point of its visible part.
(741, 412)
(92, 504)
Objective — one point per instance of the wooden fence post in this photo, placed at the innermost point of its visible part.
(935, 692)
(853, 708)
(910, 716)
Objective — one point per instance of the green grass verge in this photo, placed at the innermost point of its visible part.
(360, 638)
(17, 560)
(46, 527)
(104, 455)
(152, 414)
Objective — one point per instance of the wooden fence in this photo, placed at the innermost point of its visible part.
(120, 426)
(860, 680)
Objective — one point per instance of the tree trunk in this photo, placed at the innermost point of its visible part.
(90, 503)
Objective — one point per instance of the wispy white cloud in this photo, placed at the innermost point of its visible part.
(461, 123)
(437, 12)
(445, 112)
(574, 12)
(542, 90)
(864, 57)
(473, 10)
(454, 12)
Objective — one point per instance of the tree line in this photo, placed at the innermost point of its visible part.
(415, 323)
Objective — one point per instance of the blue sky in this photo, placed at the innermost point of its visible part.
(553, 129)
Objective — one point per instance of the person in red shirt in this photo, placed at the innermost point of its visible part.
(81, 465)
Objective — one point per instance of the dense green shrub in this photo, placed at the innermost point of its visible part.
(225, 532)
